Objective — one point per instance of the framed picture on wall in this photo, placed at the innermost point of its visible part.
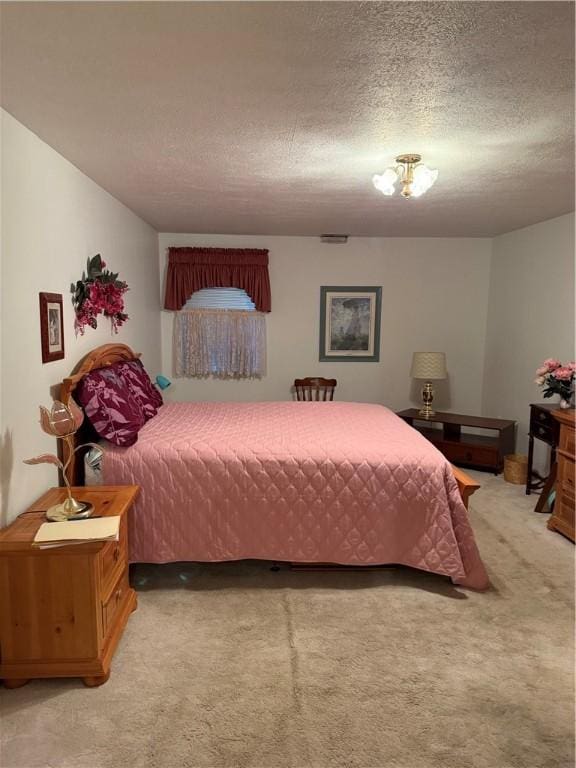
(350, 323)
(51, 327)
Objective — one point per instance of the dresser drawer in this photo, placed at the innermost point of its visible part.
(470, 454)
(566, 474)
(565, 497)
(113, 605)
(568, 441)
(562, 518)
(564, 513)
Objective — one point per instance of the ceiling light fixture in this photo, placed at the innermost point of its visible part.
(414, 176)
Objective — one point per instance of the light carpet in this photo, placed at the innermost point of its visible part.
(236, 666)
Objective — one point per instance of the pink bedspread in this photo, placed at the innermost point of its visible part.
(337, 482)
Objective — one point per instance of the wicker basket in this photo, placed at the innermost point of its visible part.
(516, 468)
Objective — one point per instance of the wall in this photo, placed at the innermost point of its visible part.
(434, 297)
(54, 218)
(531, 317)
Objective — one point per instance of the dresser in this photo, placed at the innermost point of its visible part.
(64, 608)
(562, 518)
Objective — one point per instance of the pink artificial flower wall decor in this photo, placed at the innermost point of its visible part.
(98, 292)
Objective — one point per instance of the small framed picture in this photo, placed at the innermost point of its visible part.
(51, 327)
(350, 323)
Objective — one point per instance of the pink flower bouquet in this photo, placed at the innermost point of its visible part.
(555, 378)
(99, 292)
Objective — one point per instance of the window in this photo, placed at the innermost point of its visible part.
(220, 298)
(219, 333)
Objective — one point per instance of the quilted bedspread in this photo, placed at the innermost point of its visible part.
(335, 482)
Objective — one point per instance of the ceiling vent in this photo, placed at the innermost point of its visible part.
(334, 239)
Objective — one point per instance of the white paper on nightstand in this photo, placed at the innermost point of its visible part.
(78, 531)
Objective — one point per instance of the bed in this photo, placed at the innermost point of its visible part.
(342, 483)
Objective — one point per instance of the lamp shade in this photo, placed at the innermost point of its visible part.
(428, 365)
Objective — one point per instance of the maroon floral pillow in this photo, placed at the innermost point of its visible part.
(143, 391)
(110, 406)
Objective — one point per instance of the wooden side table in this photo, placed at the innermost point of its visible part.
(544, 427)
(482, 451)
(64, 608)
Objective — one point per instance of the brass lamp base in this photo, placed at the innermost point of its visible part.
(427, 397)
(69, 510)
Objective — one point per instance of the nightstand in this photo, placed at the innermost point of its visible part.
(64, 608)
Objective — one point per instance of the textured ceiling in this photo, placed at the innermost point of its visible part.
(271, 118)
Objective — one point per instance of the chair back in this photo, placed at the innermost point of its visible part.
(315, 388)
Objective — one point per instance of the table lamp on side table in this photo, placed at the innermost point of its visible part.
(429, 366)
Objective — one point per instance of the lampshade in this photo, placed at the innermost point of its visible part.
(428, 365)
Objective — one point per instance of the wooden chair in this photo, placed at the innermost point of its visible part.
(315, 388)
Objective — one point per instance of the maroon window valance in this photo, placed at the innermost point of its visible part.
(191, 269)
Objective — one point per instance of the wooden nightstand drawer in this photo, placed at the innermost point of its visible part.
(112, 559)
(113, 605)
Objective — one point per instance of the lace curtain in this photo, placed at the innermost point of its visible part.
(220, 343)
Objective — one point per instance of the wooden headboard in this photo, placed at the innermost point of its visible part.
(101, 357)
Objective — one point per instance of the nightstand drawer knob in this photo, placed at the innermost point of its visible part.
(116, 554)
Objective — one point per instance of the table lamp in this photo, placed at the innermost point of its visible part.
(62, 422)
(429, 366)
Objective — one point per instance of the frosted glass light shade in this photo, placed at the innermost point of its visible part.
(424, 178)
(428, 365)
(385, 182)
